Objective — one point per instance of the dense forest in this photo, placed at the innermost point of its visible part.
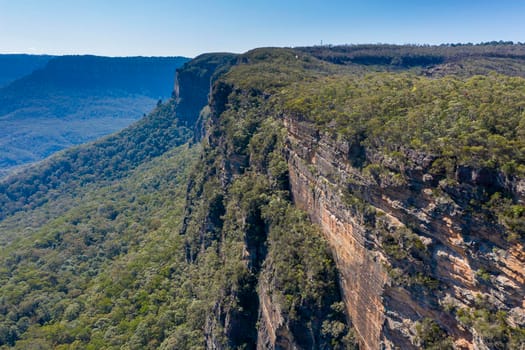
(311, 198)
(15, 66)
(71, 100)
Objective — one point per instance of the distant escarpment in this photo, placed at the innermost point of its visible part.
(15, 66)
(194, 81)
(70, 100)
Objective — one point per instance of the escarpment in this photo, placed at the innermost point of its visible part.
(281, 288)
(359, 215)
(315, 198)
(317, 172)
(427, 243)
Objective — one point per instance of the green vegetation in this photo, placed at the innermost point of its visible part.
(509, 215)
(478, 121)
(141, 241)
(76, 99)
(269, 70)
(492, 325)
(432, 337)
(102, 272)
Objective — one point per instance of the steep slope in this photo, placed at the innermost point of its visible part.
(75, 99)
(195, 78)
(416, 183)
(15, 66)
(275, 284)
(321, 206)
(89, 234)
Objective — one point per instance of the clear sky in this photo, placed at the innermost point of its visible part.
(191, 27)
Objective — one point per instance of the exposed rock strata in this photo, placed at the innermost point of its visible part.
(384, 312)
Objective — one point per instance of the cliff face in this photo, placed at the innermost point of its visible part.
(193, 83)
(324, 207)
(317, 171)
(427, 244)
(456, 243)
(281, 291)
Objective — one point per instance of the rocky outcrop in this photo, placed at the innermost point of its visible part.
(454, 244)
(421, 260)
(316, 191)
(193, 83)
(273, 330)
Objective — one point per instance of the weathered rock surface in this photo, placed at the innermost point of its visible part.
(457, 244)
(412, 240)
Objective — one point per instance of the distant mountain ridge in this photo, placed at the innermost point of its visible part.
(94, 75)
(76, 99)
(15, 66)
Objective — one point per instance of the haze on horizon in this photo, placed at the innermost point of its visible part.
(172, 28)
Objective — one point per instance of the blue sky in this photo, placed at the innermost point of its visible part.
(191, 27)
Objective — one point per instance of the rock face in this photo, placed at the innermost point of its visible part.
(314, 190)
(422, 260)
(273, 332)
(193, 83)
(281, 288)
(455, 245)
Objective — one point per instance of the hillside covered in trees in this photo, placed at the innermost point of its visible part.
(15, 66)
(312, 198)
(75, 99)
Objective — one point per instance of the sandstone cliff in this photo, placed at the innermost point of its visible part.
(284, 200)
(238, 206)
(425, 256)
(454, 245)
